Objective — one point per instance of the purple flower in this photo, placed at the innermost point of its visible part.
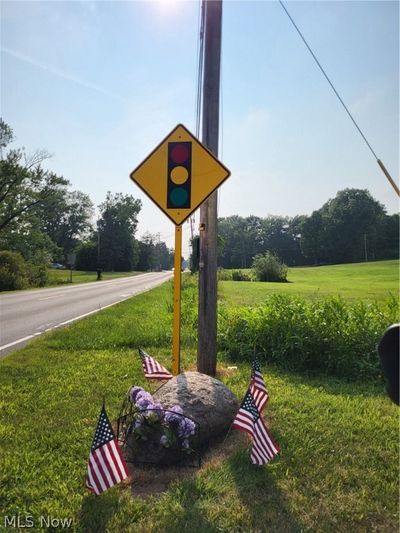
(158, 409)
(191, 425)
(143, 400)
(174, 414)
(186, 427)
(150, 409)
(164, 440)
(134, 392)
(185, 444)
(143, 394)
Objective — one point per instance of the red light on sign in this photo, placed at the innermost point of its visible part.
(179, 153)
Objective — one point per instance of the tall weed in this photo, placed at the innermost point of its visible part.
(189, 310)
(330, 336)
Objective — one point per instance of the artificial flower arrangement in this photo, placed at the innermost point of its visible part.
(157, 428)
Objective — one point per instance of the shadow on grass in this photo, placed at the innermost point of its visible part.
(191, 515)
(267, 507)
(97, 512)
(191, 499)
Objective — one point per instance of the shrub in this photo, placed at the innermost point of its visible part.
(239, 275)
(326, 336)
(13, 271)
(37, 274)
(224, 275)
(268, 267)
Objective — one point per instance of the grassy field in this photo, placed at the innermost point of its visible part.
(337, 471)
(365, 281)
(61, 277)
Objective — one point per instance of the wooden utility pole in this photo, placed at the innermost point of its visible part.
(207, 325)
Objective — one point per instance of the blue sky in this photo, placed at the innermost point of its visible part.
(100, 84)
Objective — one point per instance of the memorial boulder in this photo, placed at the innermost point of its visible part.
(204, 399)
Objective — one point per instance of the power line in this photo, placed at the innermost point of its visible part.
(382, 166)
(327, 78)
(200, 69)
(200, 63)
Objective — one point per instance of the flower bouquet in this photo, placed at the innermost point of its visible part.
(157, 435)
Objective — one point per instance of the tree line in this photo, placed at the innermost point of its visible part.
(351, 227)
(44, 221)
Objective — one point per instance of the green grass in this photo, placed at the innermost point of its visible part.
(61, 277)
(338, 469)
(366, 281)
(329, 336)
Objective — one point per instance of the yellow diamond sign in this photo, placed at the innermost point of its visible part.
(180, 174)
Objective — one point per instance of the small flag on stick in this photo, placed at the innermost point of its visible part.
(248, 419)
(258, 388)
(153, 369)
(106, 465)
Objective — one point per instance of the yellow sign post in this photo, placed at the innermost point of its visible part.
(179, 175)
(176, 330)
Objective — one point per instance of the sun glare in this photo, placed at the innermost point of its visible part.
(167, 5)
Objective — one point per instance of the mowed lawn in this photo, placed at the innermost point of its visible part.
(337, 471)
(357, 281)
(63, 276)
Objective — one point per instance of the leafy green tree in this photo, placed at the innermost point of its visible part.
(39, 216)
(244, 238)
(164, 256)
(66, 218)
(24, 183)
(147, 253)
(336, 232)
(87, 256)
(154, 254)
(30, 241)
(241, 240)
(387, 241)
(313, 238)
(116, 232)
(281, 235)
(6, 134)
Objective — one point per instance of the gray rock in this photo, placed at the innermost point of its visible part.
(204, 399)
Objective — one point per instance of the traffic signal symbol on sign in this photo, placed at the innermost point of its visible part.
(179, 175)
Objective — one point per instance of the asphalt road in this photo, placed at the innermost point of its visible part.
(26, 314)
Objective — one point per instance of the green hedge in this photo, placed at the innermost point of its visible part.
(240, 275)
(329, 336)
(13, 271)
(16, 273)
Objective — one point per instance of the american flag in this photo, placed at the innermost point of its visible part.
(106, 465)
(248, 419)
(257, 386)
(153, 369)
